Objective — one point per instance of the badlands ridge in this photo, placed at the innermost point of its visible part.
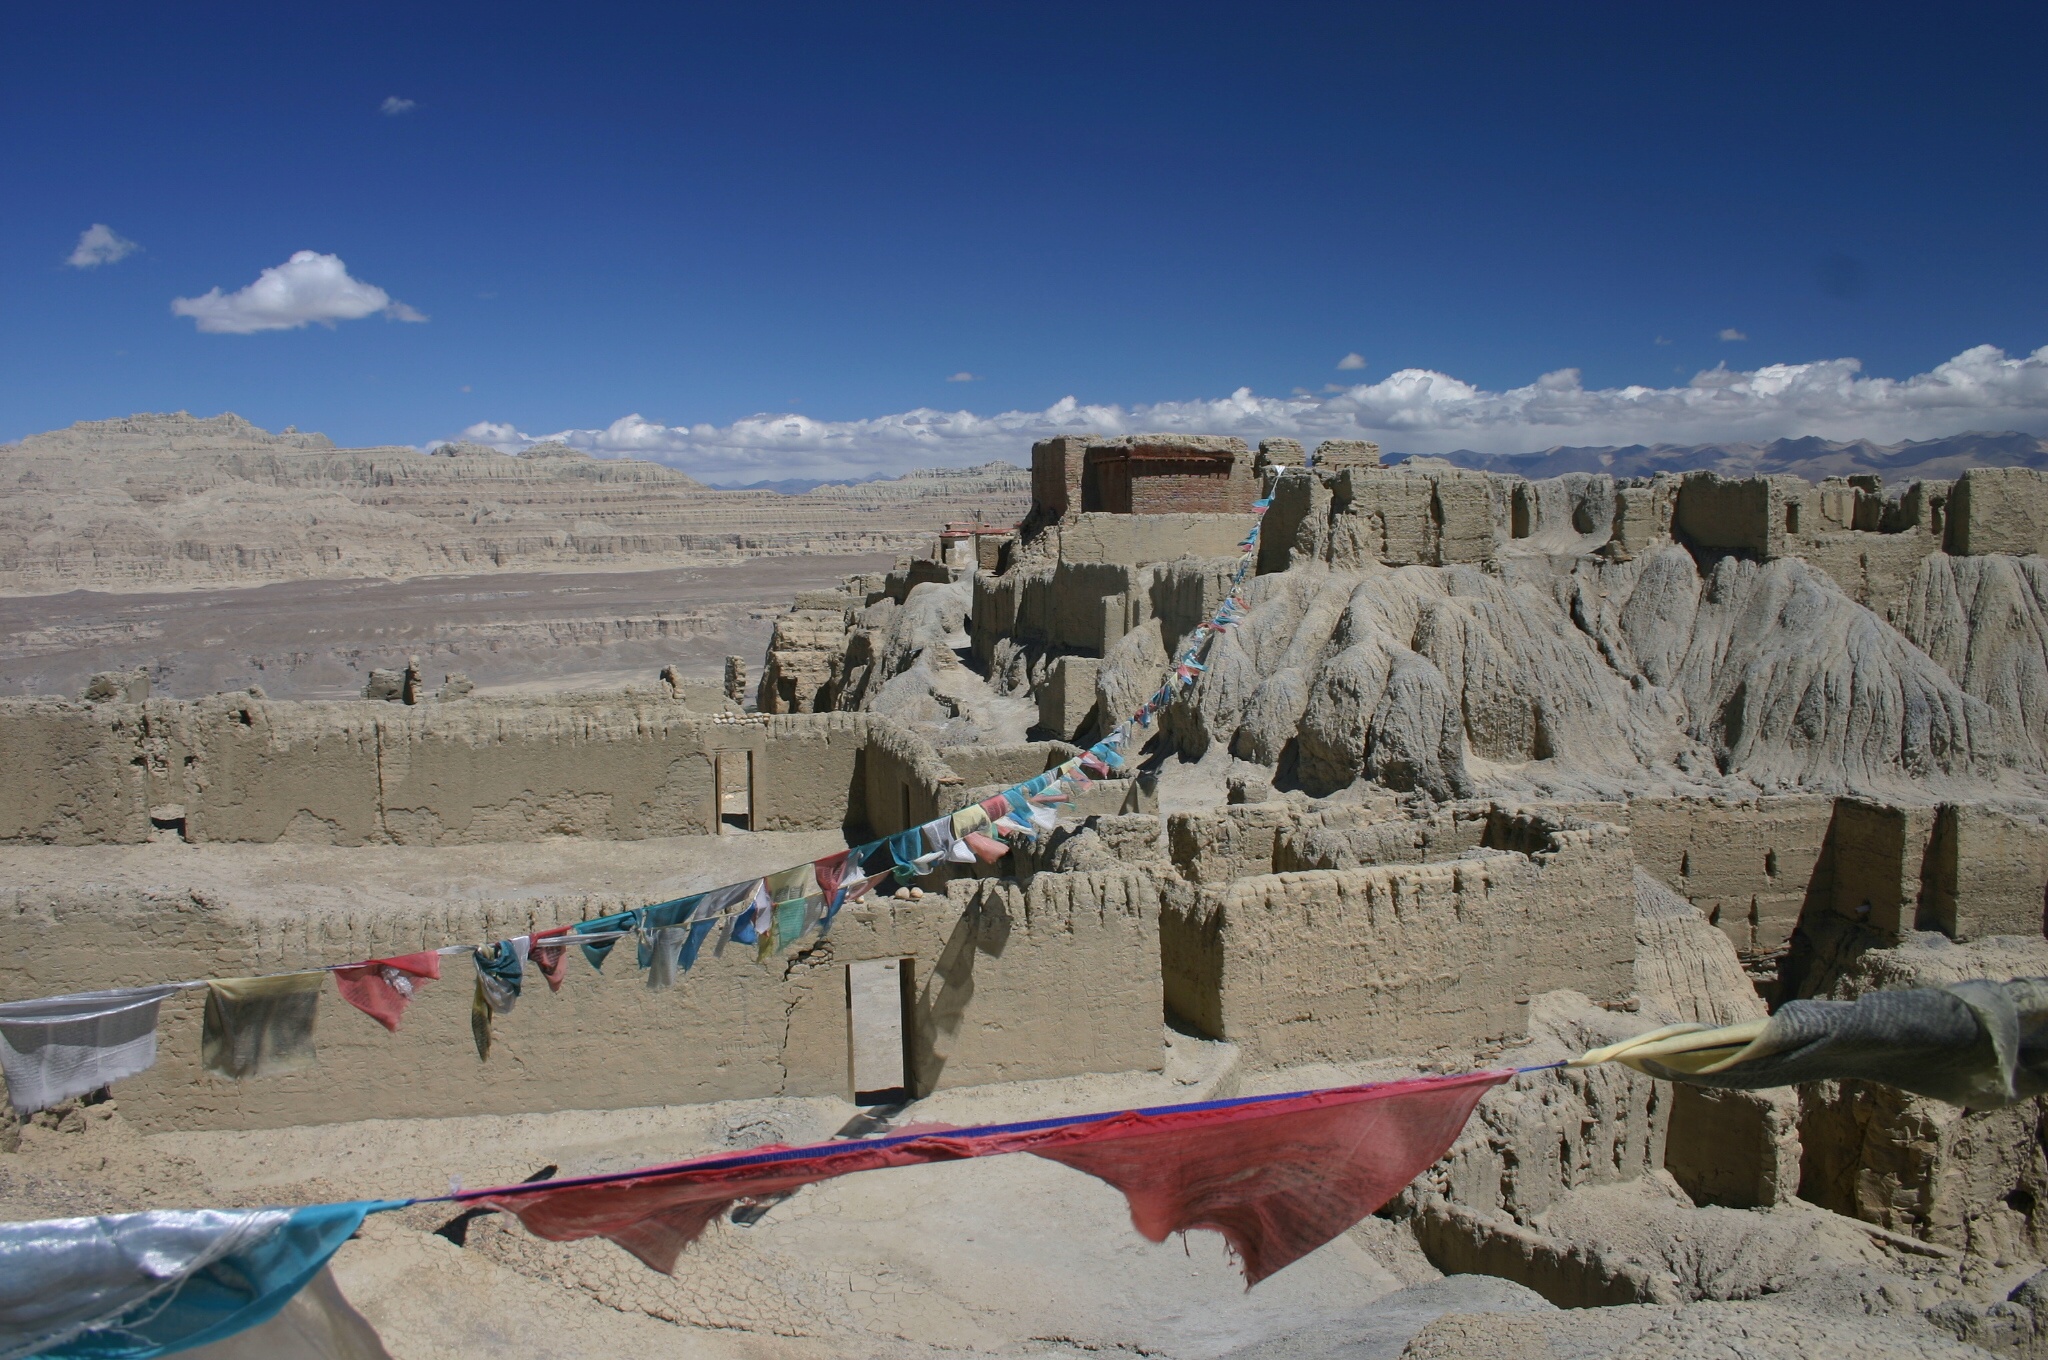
(167, 500)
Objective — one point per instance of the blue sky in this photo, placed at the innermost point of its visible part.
(771, 235)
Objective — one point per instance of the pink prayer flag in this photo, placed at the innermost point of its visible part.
(1278, 1176)
(383, 988)
(987, 848)
(550, 959)
(832, 871)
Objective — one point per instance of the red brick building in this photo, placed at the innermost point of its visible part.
(1161, 478)
(1141, 475)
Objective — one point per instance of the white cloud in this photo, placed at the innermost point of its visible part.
(505, 438)
(1413, 411)
(1730, 333)
(100, 244)
(964, 376)
(1351, 361)
(393, 106)
(1660, 340)
(306, 288)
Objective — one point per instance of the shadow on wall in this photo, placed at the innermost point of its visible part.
(940, 1007)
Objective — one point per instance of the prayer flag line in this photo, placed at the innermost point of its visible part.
(1276, 1175)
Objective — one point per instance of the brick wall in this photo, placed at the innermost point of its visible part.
(1164, 479)
(1193, 490)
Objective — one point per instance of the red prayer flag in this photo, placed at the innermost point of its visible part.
(550, 959)
(382, 988)
(832, 871)
(1278, 1176)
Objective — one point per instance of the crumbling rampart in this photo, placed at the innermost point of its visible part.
(235, 768)
(1088, 606)
(1379, 960)
(1748, 864)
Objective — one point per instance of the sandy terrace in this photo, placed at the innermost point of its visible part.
(512, 631)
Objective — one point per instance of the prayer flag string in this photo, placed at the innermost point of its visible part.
(1277, 1175)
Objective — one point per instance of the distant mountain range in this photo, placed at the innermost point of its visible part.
(1811, 458)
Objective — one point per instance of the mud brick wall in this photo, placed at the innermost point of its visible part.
(1389, 960)
(1747, 514)
(1746, 863)
(1164, 486)
(1999, 510)
(1007, 764)
(1008, 985)
(236, 768)
(1056, 475)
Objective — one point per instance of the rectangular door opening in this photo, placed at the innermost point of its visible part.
(733, 773)
(878, 1031)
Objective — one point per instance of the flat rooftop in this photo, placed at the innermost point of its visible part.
(255, 877)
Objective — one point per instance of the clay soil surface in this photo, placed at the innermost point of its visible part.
(1009, 1256)
(522, 631)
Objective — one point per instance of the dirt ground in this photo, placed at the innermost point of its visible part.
(522, 631)
(1006, 1256)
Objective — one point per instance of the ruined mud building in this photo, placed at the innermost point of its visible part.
(1466, 745)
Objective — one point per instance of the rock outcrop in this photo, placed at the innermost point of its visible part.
(1625, 676)
(1984, 620)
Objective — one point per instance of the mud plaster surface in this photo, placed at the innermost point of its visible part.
(299, 877)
